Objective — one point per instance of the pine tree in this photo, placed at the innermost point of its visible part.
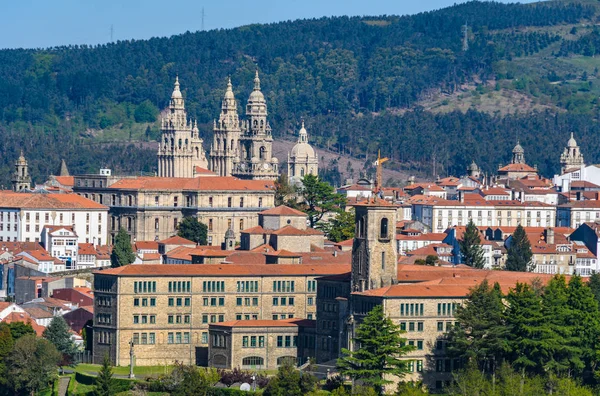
(525, 327)
(585, 324)
(190, 228)
(519, 252)
(380, 347)
(6, 345)
(480, 337)
(319, 198)
(560, 345)
(104, 383)
(122, 253)
(58, 333)
(470, 247)
(594, 284)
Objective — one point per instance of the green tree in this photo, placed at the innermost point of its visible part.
(287, 382)
(341, 227)
(104, 383)
(594, 284)
(319, 198)
(6, 346)
(19, 329)
(122, 253)
(380, 348)
(145, 112)
(285, 194)
(190, 228)
(411, 389)
(525, 326)
(32, 364)
(189, 380)
(585, 323)
(470, 247)
(519, 252)
(480, 336)
(58, 333)
(431, 260)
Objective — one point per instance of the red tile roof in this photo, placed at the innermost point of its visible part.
(24, 317)
(146, 245)
(177, 240)
(517, 168)
(283, 210)
(219, 183)
(47, 201)
(219, 270)
(67, 181)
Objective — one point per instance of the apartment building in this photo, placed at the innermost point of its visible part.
(23, 216)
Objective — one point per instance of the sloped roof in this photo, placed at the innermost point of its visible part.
(21, 200)
(217, 183)
(177, 240)
(283, 210)
(67, 181)
(517, 168)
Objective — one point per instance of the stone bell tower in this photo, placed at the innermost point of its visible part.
(374, 255)
(21, 179)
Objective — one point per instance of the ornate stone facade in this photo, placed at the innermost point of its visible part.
(255, 160)
(571, 158)
(227, 133)
(303, 159)
(180, 148)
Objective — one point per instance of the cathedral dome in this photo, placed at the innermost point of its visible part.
(256, 95)
(176, 92)
(302, 149)
(518, 149)
(274, 160)
(473, 166)
(572, 142)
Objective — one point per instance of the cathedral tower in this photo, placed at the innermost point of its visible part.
(180, 147)
(302, 160)
(255, 159)
(21, 179)
(571, 157)
(374, 255)
(227, 132)
(518, 154)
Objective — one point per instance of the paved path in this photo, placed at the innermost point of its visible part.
(63, 385)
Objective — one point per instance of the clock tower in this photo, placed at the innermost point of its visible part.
(254, 159)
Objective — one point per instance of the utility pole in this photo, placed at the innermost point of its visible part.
(203, 15)
(112, 31)
(465, 29)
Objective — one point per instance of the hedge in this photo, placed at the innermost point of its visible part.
(119, 384)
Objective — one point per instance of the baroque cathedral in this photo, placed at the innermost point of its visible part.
(240, 148)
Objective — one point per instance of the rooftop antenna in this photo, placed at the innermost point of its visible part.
(465, 29)
(112, 31)
(203, 15)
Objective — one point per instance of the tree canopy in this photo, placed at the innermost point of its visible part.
(122, 252)
(470, 247)
(380, 349)
(518, 257)
(319, 199)
(190, 228)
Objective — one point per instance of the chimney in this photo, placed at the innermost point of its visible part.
(335, 253)
(461, 196)
(550, 236)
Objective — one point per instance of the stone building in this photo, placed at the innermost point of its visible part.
(517, 168)
(150, 208)
(255, 160)
(302, 160)
(260, 344)
(571, 158)
(180, 148)
(21, 179)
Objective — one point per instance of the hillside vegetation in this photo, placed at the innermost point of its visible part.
(400, 83)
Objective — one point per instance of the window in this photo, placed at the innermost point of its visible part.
(136, 338)
(383, 229)
(241, 224)
(171, 301)
(210, 202)
(151, 338)
(440, 326)
(241, 202)
(260, 202)
(310, 301)
(252, 361)
(229, 200)
(210, 224)
(419, 326)
(204, 338)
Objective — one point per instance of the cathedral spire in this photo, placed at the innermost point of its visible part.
(176, 97)
(256, 81)
(302, 135)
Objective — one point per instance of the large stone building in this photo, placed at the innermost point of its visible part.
(150, 208)
(517, 167)
(180, 148)
(571, 158)
(303, 159)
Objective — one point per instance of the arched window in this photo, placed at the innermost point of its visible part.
(172, 143)
(383, 228)
(360, 224)
(287, 359)
(302, 172)
(262, 152)
(218, 144)
(186, 142)
(130, 200)
(232, 144)
(180, 143)
(252, 362)
(197, 153)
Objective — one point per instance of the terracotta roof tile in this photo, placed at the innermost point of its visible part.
(68, 181)
(177, 240)
(218, 183)
(47, 201)
(283, 210)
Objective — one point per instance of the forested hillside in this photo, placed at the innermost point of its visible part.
(358, 82)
